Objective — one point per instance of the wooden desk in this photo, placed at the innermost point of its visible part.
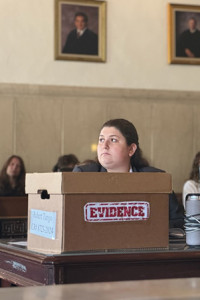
(13, 217)
(171, 289)
(25, 268)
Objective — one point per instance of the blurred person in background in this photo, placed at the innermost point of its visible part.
(192, 185)
(66, 163)
(12, 177)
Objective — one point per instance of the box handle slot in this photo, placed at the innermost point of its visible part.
(43, 194)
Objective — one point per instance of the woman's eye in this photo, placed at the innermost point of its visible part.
(114, 140)
(101, 140)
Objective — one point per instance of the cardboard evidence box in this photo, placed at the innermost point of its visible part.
(97, 211)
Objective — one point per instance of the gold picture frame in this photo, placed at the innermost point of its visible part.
(183, 34)
(88, 17)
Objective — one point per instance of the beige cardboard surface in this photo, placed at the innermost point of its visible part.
(151, 233)
(73, 233)
(42, 244)
(52, 182)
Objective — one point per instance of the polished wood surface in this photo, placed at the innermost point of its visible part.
(13, 217)
(166, 289)
(13, 206)
(25, 268)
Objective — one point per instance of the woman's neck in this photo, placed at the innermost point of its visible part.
(120, 170)
(12, 181)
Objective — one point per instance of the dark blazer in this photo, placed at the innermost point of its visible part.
(189, 40)
(85, 44)
(96, 167)
(176, 211)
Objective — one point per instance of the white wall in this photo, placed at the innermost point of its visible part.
(136, 83)
(136, 48)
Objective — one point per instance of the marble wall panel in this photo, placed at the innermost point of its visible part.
(83, 119)
(38, 131)
(172, 139)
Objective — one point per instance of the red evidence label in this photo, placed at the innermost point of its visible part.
(116, 211)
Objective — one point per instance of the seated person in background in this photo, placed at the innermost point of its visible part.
(12, 177)
(192, 186)
(118, 151)
(88, 162)
(66, 163)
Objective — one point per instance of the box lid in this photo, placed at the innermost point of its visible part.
(98, 183)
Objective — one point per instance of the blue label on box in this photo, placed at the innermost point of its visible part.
(43, 223)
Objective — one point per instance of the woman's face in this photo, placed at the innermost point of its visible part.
(14, 167)
(113, 152)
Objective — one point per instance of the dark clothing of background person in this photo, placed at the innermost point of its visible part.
(8, 191)
(191, 41)
(176, 211)
(87, 43)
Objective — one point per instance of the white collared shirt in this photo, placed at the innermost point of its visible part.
(81, 32)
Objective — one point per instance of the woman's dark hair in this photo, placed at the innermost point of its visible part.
(194, 174)
(20, 179)
(129, 131)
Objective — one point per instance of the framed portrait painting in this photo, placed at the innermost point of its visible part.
(80, 30)
(183, 34)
